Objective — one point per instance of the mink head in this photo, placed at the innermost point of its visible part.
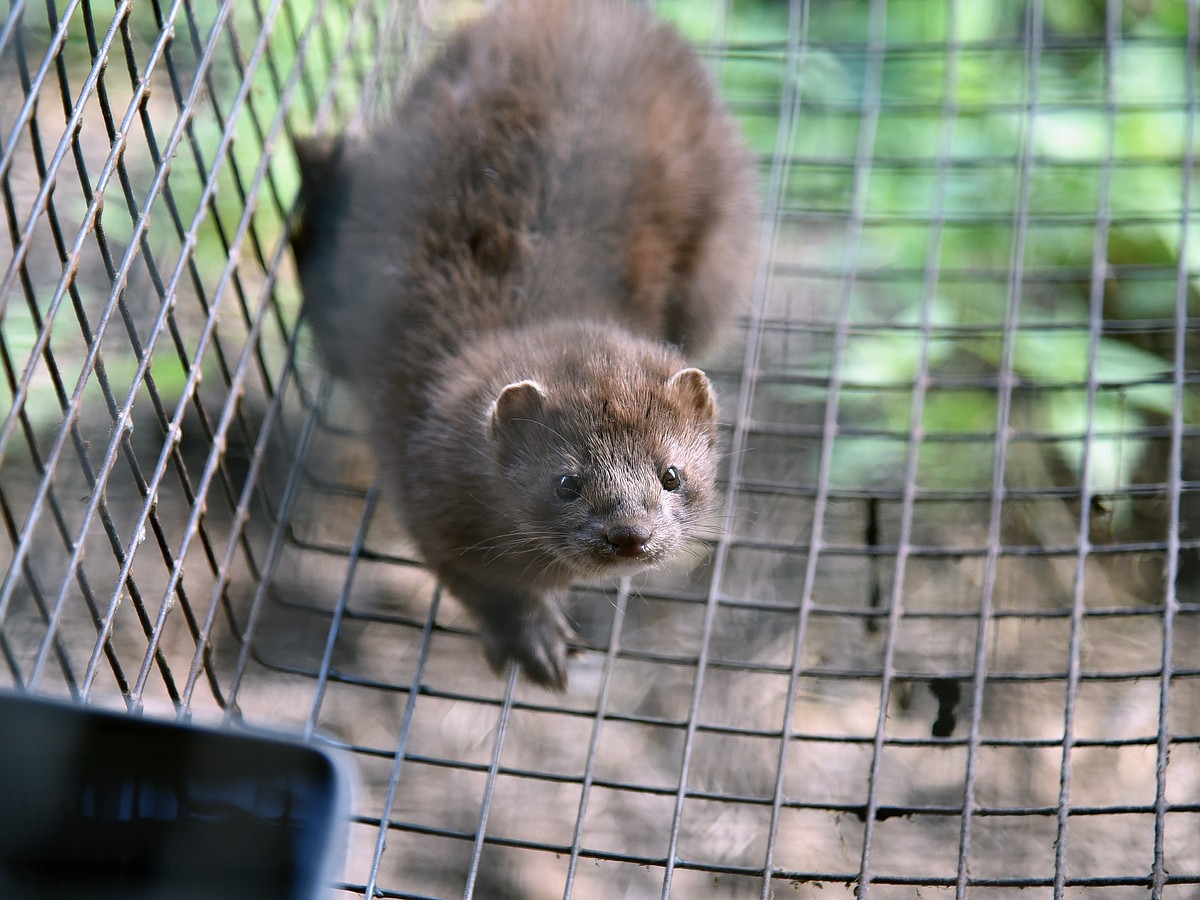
(608, 475)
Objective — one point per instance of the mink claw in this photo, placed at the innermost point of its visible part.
(540, 645)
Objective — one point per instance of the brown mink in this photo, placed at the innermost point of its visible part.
(509, 271)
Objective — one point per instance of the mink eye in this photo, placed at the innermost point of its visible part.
(670, 479)
(569, 487)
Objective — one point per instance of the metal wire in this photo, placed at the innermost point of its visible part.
(947, 641)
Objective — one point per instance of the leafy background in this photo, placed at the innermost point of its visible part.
(1091, 155)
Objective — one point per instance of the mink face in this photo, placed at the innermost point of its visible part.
(510, 272)
(607, 476)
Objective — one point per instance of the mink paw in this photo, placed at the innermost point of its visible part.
(538, 639)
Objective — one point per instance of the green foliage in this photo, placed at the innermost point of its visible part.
(183, 219)
(985, 158)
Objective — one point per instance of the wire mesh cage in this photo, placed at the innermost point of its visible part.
(946, 642)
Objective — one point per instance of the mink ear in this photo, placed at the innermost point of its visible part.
(693, 387)
(517, 401)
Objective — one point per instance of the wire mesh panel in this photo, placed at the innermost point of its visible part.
(946, 643)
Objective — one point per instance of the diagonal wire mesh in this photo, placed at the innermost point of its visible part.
(947, 642)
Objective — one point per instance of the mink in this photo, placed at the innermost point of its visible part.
(513, 270)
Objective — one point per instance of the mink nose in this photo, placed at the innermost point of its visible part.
(629, 540)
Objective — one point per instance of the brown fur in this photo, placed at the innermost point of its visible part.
(496, 270)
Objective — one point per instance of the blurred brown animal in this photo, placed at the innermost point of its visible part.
(509, 272)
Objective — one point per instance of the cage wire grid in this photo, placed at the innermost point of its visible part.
(946, 643)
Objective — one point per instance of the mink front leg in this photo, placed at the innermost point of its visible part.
(526, 626)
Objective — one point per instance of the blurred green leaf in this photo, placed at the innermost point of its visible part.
(1115, 455)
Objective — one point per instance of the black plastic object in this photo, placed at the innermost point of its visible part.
(101, 805)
